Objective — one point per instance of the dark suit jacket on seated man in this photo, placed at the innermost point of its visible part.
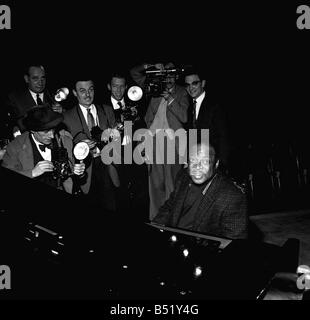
(30, 153)
(204, 200)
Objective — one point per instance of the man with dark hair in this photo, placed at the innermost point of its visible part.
(34, 93)
(82, 121)
(204, 113)
(204, 199)
(133, 177)
(31, 153)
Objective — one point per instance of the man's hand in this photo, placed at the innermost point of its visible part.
(91, 143)
(42, 167)
(57, 107)
(167, 96)
(79, 169)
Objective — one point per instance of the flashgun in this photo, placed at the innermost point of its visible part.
(81, 150)
(135, 93)
(197, 271)
(61, 94)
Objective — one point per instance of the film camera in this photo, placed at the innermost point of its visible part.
(157, 80)
(62, 166)
(96, 133)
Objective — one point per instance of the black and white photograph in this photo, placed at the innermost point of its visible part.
(154, 155)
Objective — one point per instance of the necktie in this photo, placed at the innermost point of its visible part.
(118, 112)
(90, 120)
(44, 146)
(39, 101)
(194, 113)
(120, 104)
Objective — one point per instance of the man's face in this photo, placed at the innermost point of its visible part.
(35, 79)
(45, 136)
(170, 82)
(194, 85)
(202, 164)
(117, 88)
(84, 92)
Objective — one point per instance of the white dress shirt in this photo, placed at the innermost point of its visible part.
(115, 103)
(47, 154)
(34, 96)
(198, 103)
(93, 111)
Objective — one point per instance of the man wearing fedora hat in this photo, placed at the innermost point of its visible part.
(30, 153)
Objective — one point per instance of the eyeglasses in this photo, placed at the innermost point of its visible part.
(194, 83)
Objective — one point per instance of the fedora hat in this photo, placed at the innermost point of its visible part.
(40, 118)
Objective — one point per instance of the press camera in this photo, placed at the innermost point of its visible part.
(61, 163)
(157, 79)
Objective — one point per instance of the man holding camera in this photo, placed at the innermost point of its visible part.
(86, 121)
(166, 113)
(31, 153)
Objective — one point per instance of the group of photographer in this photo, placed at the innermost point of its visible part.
(170, 106)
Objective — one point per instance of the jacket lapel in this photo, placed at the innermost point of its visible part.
(180, 200)
(83, 122)
(29, 99)
(102, 118)
(203, 117)
(26, 157)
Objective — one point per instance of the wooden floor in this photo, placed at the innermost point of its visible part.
(277, 227)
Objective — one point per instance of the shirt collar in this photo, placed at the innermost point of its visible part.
(92, 106)
(200, 98)
(34, 95)
(115, 103)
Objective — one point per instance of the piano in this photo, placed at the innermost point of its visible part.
(58, 246)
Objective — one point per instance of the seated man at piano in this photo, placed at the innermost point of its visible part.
(204, 199)
(44, 151)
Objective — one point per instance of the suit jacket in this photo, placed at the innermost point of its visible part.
(20, 101)
(212, 117)
(19, 155)
(222, 211)
(77, 126)
(176, 111)
(75, 123)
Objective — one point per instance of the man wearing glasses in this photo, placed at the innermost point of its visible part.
(204, 199)
(203, 113)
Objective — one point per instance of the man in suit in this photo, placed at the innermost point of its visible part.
(203, 113)
(31, 153)
(34, 93)
(166, 113)
(133, 177)
(82, 121)
(205, 200)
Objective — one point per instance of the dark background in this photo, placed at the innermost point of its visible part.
(254, 57)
